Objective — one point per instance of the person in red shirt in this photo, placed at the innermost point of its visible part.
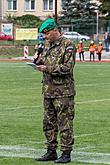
(80, 50)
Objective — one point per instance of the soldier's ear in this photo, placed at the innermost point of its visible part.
(55, 29)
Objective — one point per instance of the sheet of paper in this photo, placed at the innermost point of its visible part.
(32, 64)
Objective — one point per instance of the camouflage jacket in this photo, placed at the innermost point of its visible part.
(58, 79)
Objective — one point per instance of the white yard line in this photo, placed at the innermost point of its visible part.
(93, 64)
(41, 106)
(77, 136)
(19, 66)
(91, 134)
(21, 88)
(93, 84)
(21, 107)
(92, 101)
(77, 156)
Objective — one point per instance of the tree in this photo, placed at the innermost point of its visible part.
(105, 7)
(78, 13)
(25, 21)
(105, 10)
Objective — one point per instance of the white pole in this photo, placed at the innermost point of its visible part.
(97, 27)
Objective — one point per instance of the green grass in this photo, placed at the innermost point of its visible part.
(21, 114)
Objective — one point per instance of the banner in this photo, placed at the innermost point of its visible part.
(26, 34)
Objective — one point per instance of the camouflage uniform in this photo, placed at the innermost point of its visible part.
(59, 91)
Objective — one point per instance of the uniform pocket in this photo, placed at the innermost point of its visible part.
(58, 80)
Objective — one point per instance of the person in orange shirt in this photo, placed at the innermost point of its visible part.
(80, 50)
(99, 50)
(92, 48)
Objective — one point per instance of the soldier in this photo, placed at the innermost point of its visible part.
(59, 91)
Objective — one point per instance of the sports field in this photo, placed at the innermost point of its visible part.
(21, 114)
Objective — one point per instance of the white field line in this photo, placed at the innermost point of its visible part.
(79, 85)
(21, 88)
(91, 134)
(92, 101)
(77, 136)
(26, 152)
(93, 84)
(20, 66)
(97, 65)
(34, 141)
(21, 107)
(41, 106)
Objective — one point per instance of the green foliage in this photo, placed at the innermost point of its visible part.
(28, 21)
(105, 8)
(10, 17)
(78, 14)
(73, 11)
(25, 21)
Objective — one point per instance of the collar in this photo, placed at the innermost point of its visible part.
(57, 41)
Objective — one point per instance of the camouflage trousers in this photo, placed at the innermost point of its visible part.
(58, 118)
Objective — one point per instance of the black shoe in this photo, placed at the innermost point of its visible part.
(65, 158)
(50, 155)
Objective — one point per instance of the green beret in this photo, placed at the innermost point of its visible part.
(47, 25)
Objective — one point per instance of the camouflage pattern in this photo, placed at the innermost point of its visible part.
(58, 79)
(59, 92)
(58, 115)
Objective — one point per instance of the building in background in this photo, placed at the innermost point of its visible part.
(40, 8)
(1, 15)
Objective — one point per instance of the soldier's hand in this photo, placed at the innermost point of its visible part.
(41, 68)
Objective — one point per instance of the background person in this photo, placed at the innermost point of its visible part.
(107, 41)
(99, 50)
(92, 48)
(80, 50)
(59, 91)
